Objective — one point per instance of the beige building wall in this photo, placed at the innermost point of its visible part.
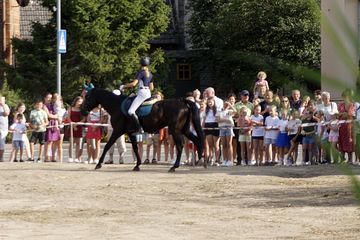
(11, 27)
(339, 39)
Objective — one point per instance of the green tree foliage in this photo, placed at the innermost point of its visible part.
(105, 39)
(242, 37)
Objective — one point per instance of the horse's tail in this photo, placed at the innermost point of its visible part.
(195, 119)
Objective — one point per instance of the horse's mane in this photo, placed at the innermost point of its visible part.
(108, 94)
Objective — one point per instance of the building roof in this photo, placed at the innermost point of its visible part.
(34, 12)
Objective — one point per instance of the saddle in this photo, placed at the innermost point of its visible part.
(143, 110)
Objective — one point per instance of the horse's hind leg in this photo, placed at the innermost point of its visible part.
(136, 151)
(179, 147)
(112, 140)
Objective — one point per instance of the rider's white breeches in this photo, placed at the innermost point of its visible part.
(142, 95)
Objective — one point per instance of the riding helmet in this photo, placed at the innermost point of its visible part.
(145, 61)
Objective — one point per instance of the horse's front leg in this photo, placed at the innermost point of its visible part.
(179, 147)
(112, 140)
(136, 151)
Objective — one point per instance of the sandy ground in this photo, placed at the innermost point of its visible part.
(71, 201)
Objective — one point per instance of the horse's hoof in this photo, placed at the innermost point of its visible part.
(172, 169)
(136, 169)
(98, 166)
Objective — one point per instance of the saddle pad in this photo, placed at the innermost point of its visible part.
(142, 111)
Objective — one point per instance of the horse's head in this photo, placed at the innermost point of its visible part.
(89, 102)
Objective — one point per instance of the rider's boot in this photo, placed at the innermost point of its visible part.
(135, 119)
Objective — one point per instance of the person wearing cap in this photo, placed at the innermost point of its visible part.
(145, 85)
(244, 102)
(249, 107)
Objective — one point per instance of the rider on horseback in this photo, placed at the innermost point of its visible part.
(144, 81)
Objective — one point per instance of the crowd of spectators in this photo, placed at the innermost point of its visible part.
(258, 128)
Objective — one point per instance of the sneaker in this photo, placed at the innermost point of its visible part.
(153, 161)
(91, 161)
(121, 161)
(229, 163)
(21, 160)
(147, 161)
(86, 162)
(15, 160)
(76, 160)
(109, 162)
(70, 160)
(224, 163)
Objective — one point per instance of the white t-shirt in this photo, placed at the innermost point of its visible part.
(219, 103)
(225, 118)
(94, 116)
(258, 131)
(282, 125)
(331, 108)
(210, 117)
(4, 122)
(293, 126)
(19, 131)
(271, 122)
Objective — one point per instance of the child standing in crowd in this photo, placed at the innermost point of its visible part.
(212, 135)
(294, 132)
(93, 135)
(333, 128)
(283, 140)
(20, 109)
(309, 133)
(152, 140)
(261, 81)
(258, 132)
(294, 128)
(271, 133)
(226, 124)
(322, 136)
(38, 123)
(74, 115)
(19, 130)
(244, 124)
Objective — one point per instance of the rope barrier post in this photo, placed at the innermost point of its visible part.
(71, 140)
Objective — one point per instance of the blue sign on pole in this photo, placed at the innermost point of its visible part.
(62, 41)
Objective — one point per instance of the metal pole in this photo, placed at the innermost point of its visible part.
(58, 62)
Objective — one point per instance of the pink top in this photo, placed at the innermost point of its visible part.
(262, 82)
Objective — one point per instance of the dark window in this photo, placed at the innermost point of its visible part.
(183, 72)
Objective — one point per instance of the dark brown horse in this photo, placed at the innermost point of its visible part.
(176, 114)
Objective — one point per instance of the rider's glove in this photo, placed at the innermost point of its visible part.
(121, 87)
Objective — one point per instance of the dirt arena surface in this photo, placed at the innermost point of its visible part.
(71, 201)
